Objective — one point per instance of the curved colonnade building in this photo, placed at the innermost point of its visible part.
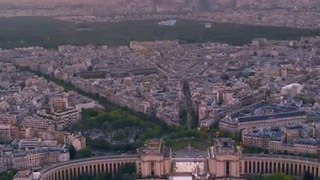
(72, 169)
(223, 160)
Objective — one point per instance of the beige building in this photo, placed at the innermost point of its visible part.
(19, 161)
(291, 90)
(155, 159)
(8, 119)
(35, 160)
(5, 133)
(77, 141)
(261, 114)
(4, 106)
(59, 136)
(296, 138)
(37, 123)
(223, 161)
(58, 103)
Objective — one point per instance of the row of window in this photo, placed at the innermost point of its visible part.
(294, 169)
(69, 174)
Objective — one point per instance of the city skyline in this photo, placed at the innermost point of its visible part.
(159, 89)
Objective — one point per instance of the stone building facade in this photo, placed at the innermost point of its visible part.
(224, 160)
(295, 138)
(262, 114)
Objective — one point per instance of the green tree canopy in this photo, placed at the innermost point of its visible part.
(279, 176)
(8, 175)
(84, 153)
(126, 172)
(72, 152)
(308, 176)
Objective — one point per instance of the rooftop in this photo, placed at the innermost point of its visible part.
(23, 174)
(225, 146)
(263, 111)
(154, 147)
(271, 116)
(301, 134)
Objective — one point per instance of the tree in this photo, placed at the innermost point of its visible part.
(72, 152)
(90, 68)
(84, 153)
(4, 177)
(308, 176)
(225, 77)
(103, 176)
(169, 142)
(279, 176)
(126, 172)
(8, 175)
(119, 135)
(85, 177)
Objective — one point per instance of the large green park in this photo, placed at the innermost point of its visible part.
(50, 33)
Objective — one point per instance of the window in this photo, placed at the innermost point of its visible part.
(228, 168)
(246, 167)
(152, 168)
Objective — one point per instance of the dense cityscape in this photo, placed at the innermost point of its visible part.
(293, 13)
(163, 109)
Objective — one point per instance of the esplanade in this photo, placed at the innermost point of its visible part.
(222, 160)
